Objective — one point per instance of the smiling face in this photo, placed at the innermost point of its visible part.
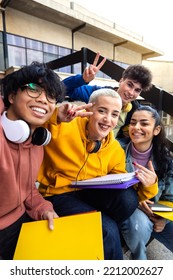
(106, 111)
(129, 90)
(142, 130)
(35, 111)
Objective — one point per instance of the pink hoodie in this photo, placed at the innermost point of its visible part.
(19, 166)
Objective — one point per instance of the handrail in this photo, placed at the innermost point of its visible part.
(161, 99)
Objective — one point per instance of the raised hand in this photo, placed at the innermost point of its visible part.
(90, 72)
(147, 176)
(68, 111)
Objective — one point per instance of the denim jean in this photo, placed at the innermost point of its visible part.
(115, 206)
(138, 229)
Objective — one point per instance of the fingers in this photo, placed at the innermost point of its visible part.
(143, 205)
(67, 112)
(83, 107)
(142, 170)
(55, 215)
(70, 108)
(149, 201)
(159, 223)
(146, 176)
(79, 111)
(150, 166)
(101, 63)
(50, 215)
(97, 59)
(83, 114)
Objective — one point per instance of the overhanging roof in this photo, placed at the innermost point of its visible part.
(76, 18)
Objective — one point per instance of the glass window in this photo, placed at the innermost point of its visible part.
(123, 65)
(66, 69)
(34, 56)
(17, 56)
(15, 40)
(77, 68)
(50, 48)
(2, 66)
(64, 51)
(49, 57)
(34, 45)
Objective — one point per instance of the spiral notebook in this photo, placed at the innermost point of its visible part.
(110, 181)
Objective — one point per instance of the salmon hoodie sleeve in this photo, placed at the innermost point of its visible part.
(36, 205)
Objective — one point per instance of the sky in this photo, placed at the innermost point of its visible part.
(153, 19)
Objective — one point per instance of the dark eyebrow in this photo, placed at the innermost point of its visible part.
(142, 120)
(133, 83)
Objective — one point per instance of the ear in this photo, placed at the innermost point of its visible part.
(11, 98)
(157, 130)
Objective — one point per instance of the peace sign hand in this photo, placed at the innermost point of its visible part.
(68, 111)
(90, 72)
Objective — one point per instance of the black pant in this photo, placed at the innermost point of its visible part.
(9, 237)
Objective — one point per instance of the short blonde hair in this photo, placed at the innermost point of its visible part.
(103, 92)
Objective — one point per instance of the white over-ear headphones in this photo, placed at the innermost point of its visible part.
(19, 131)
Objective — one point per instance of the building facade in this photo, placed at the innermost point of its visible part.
(46, 30)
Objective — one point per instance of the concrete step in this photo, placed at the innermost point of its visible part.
(155, 251)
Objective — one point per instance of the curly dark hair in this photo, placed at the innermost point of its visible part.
(140, 74)
(161, 153)
(34, 73)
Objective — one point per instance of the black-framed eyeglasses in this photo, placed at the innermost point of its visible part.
(33, 90)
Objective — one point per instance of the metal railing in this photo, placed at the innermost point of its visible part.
(162, 100)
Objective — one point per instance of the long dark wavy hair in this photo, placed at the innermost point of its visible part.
(161, 153)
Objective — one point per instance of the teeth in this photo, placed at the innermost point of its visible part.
(137, 134)
(39, 110)
(104, 126)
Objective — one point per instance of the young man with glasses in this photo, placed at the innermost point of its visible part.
(29, 100)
